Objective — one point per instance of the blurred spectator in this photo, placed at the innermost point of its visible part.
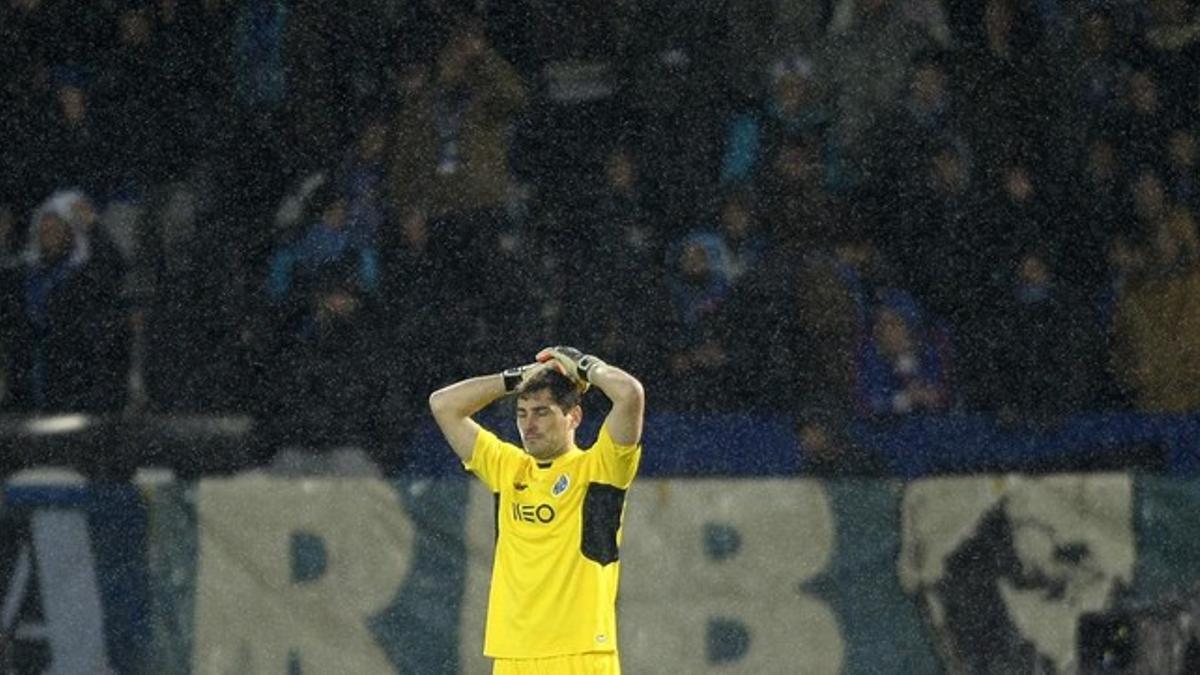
(1019, 209)
(1048, 344)
(1150, 205)
(1141, 121)
(1001, 65)
(798, 106)
(363, 176)
(1181, 171)
(25, 41)
(544, 38)
(1157, 315)
(618, 220)
(327, 253)
(733, 243)
(259, 54)
(326, 386)
(793, 200)
(258, 152)
(36, 34)
(1100, 71)
(680, 93)
(695, 348)
(608, 279)
(450, 144)
(796, 318)
(1172, 37)
(739, 230)
(337, 54)
(939, 222)
(592, 264)
(865, 273)
(130, 99)
(899, 144)
(71, 351)
(94, 242)
(867, 54)
(903, 366)
(425, 309)
(199, 327)
(1126, 262)
(1098, 206)
(71, 150)
(176, 317)
(327, 370)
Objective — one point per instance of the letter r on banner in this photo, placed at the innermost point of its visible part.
(259, 609)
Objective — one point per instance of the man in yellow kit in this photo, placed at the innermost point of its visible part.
(552, 603)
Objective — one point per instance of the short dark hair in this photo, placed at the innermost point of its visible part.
(563, 391)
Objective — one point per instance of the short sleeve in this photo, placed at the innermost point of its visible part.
(617, 464)
(489, 457)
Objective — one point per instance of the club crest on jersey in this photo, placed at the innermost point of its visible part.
(561, 485)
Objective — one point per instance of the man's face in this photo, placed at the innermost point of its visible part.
(546, 430)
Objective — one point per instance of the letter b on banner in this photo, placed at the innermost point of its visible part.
(290, 572)
(713, 577)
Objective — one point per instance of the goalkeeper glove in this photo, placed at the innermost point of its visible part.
(576, 365)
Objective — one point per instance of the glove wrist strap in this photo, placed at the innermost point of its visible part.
(512, 378)
(585, 366)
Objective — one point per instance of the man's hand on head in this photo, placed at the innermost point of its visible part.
(571, 362)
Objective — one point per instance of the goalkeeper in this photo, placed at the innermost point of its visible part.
(552, 601)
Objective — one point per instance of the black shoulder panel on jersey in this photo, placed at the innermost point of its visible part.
(601, 519)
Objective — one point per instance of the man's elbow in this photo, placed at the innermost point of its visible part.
(630, 392)
(437, 403)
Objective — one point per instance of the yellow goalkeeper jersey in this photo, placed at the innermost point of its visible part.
(558, 529)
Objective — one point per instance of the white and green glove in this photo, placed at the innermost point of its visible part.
(571, 362)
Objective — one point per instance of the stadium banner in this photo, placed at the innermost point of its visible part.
(281, 575)
(74, 594)
(1005, 567)
(274, 575)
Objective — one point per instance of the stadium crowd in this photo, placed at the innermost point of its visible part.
(316, 211)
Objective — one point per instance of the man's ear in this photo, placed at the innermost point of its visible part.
(576, 415)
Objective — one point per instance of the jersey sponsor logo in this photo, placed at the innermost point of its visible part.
(533, 513)
(561, 485)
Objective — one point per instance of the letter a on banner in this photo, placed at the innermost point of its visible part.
(57, 561)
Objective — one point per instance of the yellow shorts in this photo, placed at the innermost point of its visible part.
(592, 663)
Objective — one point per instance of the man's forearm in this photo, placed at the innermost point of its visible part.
(467, 397)
(453, 406)
(618, 385)
(628, 402)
